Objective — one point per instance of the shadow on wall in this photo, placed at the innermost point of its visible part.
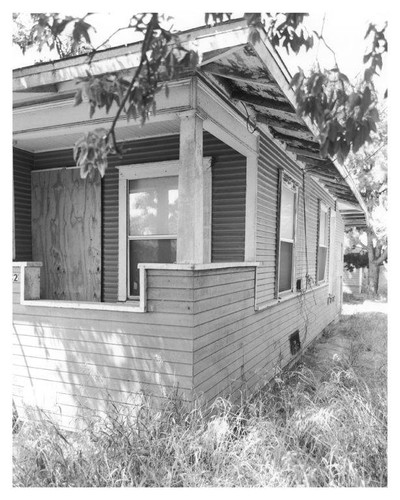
(70, 372)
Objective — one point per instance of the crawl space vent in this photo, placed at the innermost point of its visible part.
(294, 341)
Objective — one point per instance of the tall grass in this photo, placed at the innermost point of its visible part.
(306, 428)
(299, 432)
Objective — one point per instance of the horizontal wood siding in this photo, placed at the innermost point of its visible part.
(228, 201)
(201, 335)
(67, 357)
(238, 349)
(22, 166)
(271, 159)
(228, 197)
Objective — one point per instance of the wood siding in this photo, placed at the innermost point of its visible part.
(271, 159)
(228, 201)
(69, 359)
(228, 197)
(201, 336)
(22, 166)
(237, 350)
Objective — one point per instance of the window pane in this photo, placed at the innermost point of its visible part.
(323, 228)
(148, 251)
(285, 266)
(153, 206)
(322, 253)
(287, 213)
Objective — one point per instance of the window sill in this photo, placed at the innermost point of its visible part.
(131, 306)
(286, 297)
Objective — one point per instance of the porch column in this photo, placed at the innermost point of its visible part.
(194, 215)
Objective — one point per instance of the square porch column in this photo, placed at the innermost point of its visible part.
(194, 208)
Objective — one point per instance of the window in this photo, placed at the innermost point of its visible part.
(287, 235)
(323, 239)
(148, 220)
(153, 213)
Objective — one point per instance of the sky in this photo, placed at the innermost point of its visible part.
(345, 34)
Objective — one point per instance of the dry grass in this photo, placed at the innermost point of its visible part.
(307, 428)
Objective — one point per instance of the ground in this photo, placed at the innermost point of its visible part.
(358, 339)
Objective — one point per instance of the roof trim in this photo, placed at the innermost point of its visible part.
(280, 72)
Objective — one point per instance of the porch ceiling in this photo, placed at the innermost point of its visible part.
(242, 75)
(59, 139)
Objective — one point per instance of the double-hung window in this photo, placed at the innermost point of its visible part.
(323, 240)
(148, 220)
(153, 212)
(287, 235)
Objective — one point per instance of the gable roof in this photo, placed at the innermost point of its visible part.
(244, 72)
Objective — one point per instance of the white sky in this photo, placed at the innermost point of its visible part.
(345, 34)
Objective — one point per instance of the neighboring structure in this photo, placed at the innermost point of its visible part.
(208, 256)
(352, 280)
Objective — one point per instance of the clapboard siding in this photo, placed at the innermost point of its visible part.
(228, 201)
(228, 198)
(238, 348)
(22, 166)
(271, 159)
(123, 352)
(201, 334)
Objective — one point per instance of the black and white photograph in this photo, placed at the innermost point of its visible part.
(199, 239)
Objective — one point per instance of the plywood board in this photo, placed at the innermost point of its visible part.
(66, 233)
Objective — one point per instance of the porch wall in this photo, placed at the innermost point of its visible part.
(67, 359)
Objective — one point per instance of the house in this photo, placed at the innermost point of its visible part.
(208, 257)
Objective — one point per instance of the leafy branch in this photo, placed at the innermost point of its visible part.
(345, 116)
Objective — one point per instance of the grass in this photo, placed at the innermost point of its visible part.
(308, 427)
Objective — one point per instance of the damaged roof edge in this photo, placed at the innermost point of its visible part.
(282, 75)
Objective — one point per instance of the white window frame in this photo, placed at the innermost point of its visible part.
(288, 183)
(332, 252)
(323, 209)
(126, 174)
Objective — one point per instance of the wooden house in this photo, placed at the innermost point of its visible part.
(207, 258)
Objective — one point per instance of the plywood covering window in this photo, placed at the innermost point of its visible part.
(287, 234)
(323, 239)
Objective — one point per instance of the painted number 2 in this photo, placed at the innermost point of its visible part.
(15, 277)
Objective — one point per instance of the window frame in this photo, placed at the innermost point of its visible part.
(287, 182)
(322, 208)
(128, 173)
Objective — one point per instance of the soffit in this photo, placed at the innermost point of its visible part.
(244, 78)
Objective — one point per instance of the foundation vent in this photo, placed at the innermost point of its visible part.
(294, 341)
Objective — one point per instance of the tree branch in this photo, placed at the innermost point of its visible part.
(145, 46)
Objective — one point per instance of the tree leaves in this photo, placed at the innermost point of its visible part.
(344, 116)
(91, 151)
(286, 30)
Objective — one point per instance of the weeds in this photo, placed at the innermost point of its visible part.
(301, 430)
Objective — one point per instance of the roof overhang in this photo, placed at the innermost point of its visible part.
(255, 75)
(249, 73)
